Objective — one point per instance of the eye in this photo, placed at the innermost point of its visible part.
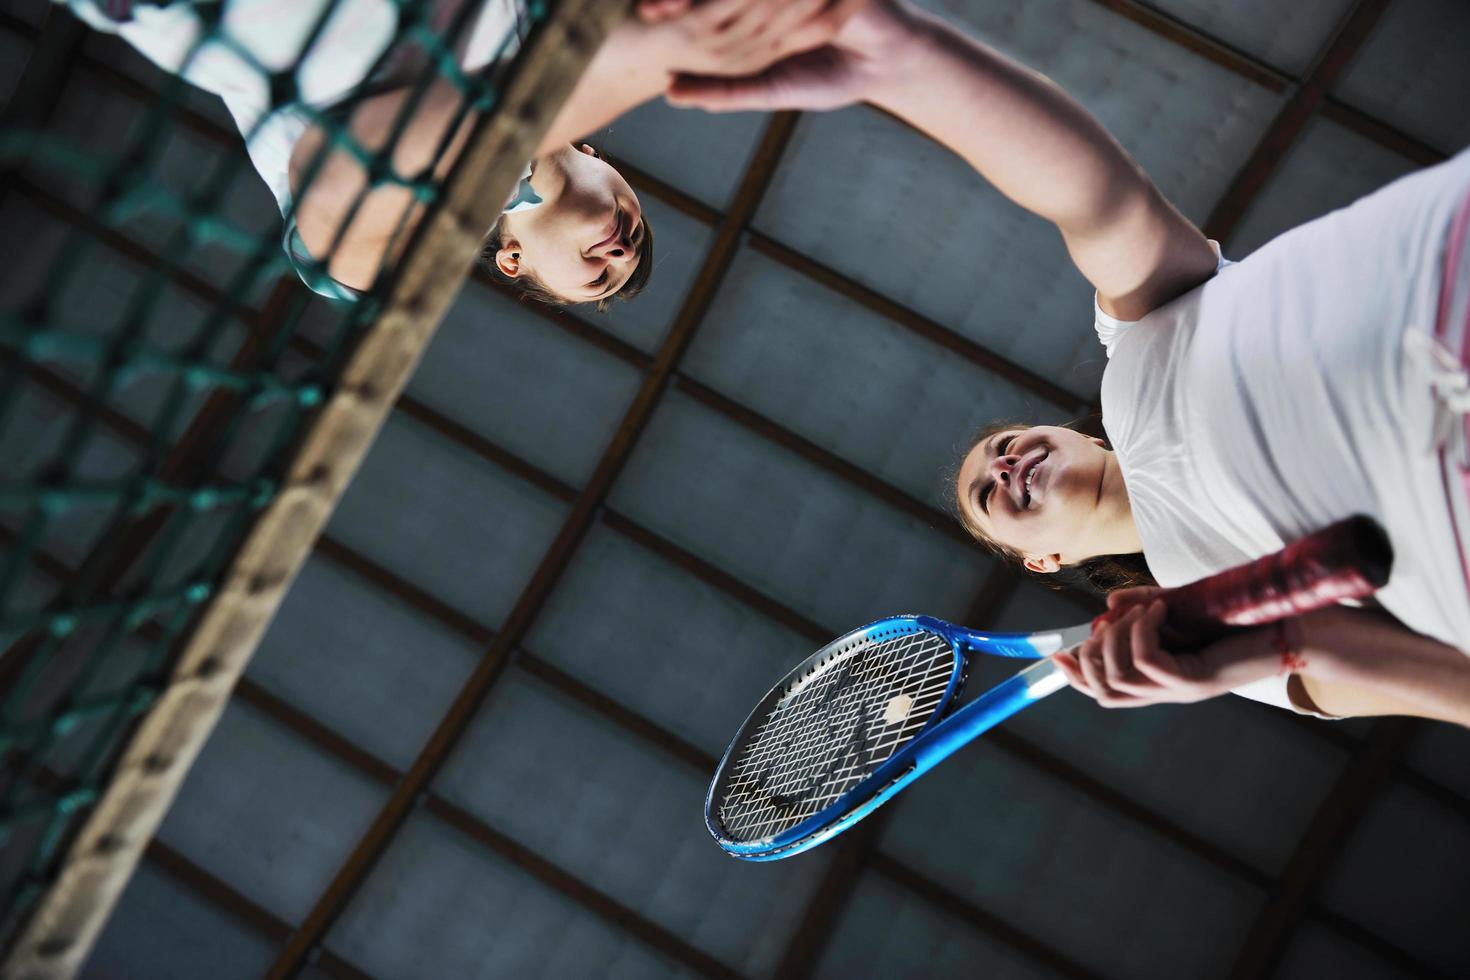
(599, 281)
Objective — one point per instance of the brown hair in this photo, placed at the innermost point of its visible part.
(1105, 573)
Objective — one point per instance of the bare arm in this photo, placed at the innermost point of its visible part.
(1359, 663)
(1347, 662)
(1020, 131)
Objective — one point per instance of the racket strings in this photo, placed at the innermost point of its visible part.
(831, 729)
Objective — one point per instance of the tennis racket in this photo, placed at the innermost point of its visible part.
(872, 711)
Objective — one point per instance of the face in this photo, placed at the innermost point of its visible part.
(582, 243)
(1042, 491)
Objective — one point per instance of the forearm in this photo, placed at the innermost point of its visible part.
(631, 68)
(1020, 131)
(327, 187)
(1362, 663)
(1044, 151)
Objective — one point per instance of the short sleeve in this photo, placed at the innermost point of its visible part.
(1109, 328)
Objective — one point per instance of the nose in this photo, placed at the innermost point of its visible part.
(618, 248)
(1001, 468)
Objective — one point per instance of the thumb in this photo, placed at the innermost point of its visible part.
(714, 94)
(657, 11)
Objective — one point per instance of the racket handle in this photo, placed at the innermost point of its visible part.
(1347, 560)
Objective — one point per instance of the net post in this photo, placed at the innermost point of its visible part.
(58, 936)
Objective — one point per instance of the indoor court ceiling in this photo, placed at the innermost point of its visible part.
(476, 739)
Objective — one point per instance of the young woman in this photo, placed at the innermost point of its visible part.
(573, 232)
(1248, 404)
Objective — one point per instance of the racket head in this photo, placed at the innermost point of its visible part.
(820, 748)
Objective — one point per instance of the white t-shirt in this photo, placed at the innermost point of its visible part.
(1283, 394)
(272, 36)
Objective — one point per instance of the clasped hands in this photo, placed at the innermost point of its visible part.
(738, 55)
(1124, 663)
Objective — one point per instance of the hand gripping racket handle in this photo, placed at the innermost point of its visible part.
(1347, 560)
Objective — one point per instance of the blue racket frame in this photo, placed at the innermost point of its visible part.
(940, 737)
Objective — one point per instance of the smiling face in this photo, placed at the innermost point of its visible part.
(1052, 494)
(586, 241)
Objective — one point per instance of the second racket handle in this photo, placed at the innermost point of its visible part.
(1347, 560)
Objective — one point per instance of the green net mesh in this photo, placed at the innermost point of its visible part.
(160, 352)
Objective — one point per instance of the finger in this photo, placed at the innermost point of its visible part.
(1117, 663)
(714, 16)
(723, 94)
(658, 11)
(1090, 660)
(1068, 663)
(1152, 660)
(771, 32)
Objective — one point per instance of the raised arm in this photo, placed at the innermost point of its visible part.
(1020, 131)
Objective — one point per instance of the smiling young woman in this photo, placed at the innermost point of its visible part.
(1246, 405)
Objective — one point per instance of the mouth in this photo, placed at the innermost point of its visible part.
(1026, 475)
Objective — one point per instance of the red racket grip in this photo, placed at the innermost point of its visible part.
(1347, 560)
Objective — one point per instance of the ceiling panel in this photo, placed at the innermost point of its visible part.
(1441, 753)
(362, 662)
(702, 154)
(1202, 766)
(1403, 874)
(1110, 892)
(1329, 167)
(623, 816)
(202, 940)
(912, 221)
(446, 520)
(1315, 953)
(440, 905)
(14, 53)
(834, 372)
(793, 531)
(887, 931)
(702, 657)
(1287, 36)
(1412, 71)
(498, 368)
(268, 813)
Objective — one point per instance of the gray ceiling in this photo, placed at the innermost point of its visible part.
(837, 304)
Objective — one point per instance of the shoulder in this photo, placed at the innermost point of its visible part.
(1111, 328)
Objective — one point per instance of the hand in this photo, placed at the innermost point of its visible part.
(742, 37)
(1123, 665)
(840, 57)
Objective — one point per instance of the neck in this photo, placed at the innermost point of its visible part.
(549, 173)
(1114, 531)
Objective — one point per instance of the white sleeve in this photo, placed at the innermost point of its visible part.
(1109, 328)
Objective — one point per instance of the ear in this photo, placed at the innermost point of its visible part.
(1045, 564)
(508, 257)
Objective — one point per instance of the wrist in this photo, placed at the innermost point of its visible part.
(895, 41)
